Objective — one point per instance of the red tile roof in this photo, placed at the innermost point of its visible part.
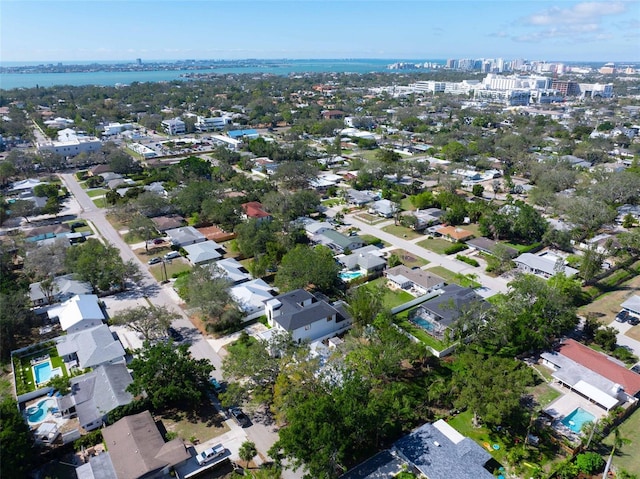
(254, 209)
(601, 364)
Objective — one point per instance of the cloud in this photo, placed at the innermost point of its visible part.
(584, 12)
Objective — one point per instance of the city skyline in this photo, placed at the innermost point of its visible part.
(219, 29)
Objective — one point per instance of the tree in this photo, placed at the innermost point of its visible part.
(591, 263)
(589, 462)
(491, 387)
(477, 190)
(24, 209)
(47, 260)
(170, 376)
(247, 451)
(393, 260)
(304, 266)
(142, 227)
(208, 290)
(150, 321)
(454, 151)
(387, 156)
(423, 200)
(606, 337)
(122, 163)
(295, 175)
(16, 443)
(364, 304)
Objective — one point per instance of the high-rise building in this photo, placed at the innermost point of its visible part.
(139, 61)
(566, 88)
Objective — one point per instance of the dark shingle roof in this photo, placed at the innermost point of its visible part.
(293, 315)
(449, 304)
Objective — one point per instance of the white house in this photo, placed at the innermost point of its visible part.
(306, 317)
(231, 269)
(544, 266)
(205, 252)
(251, 297)
(78, 313)
(184, 236)
(90, 348)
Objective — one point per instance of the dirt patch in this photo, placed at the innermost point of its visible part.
(607, 305)
(195, 426)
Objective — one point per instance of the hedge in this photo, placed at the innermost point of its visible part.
(455, 248)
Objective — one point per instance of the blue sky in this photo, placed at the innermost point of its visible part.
(394, 29)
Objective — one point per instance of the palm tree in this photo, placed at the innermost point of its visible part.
(247, 452)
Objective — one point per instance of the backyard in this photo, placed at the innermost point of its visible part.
(197, 426)
(436, 245)
(25, 382)
(457, 278)
(390, 298)
(408, 259)
(627, 457)
(401, 319)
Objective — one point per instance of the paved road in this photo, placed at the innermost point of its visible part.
(263, 435)
(495, 284)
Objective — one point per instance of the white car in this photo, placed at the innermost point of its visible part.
(172, 255)
(210, 454)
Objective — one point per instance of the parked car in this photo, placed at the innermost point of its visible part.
(155, 260)
(622, 316)
(210, 454)
(174, 334)
(172, 255)
(217, 387)
(241, 418)
(633, 320)
(158, 241)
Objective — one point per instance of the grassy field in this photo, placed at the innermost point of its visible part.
(199, 426)
(370, 219)
(463, 424)
(402, 232)
(370, 239)
(436, 245)
(628, 458)
(332, 202)
(451, 277)
(176, 266)
(544, 394)
(408, 259)
(96, 192)
(406, 205)
(100, 202)
(390, 298)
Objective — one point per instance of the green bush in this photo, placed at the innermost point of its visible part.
(455, 248)
(88, 440)
(466, 259)
(589, 462)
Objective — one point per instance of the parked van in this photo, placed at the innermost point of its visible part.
(172, 255)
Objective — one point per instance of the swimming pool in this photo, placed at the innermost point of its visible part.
(36, 414)
(423, 323)
(43, 372)
(577, 418)
(349, 275)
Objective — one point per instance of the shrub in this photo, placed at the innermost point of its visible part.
(88, 440)
(466, 259)
(455, 248)
(589, 462)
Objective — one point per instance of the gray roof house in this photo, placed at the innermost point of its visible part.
(368, 259)
(632, 305)
(436, 450)
(359, 198)
(95, 394)
(545, 266)
(416, 281)
(90, 347)
(98, 467)
(384, 208)
(64, 287)
(338, 242)
(185, 235)
(231, 269)
(306, 317)
(427, 217)
(205, 252)
(138, 450)
(488, 246)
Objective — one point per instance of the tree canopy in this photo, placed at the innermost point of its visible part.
(304, 266)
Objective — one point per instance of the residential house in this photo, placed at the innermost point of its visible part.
(367, 259)
(454, 234)
(384, 208)
(94, 394)
(29, 184)
(254, 210)
(169, 222)
(100, 466)
(416, 281)
(185, 236)
(544, 265)
(444, 310)
(488, 246)
(434, 450)
(231, 269)
(63, 288)
(592, 374)
(264, 166)
(306, 317)
(427, 217)
(202, 253)
(174, 126)
(332, 114)
(138, 450)
(90, 348)
(360, 198)
(251, 297)
(314, 227)
(78, 313)
(632, 305)
(338, 242)
(158, 188)
(100, 169)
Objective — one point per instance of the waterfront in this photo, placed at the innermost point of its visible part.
(110, 78)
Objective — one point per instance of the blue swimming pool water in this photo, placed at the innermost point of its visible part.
(39, 412)
(577, 418)
(423, 323)
(42, 372)
(349, 275)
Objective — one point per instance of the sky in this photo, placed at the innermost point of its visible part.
(81, 30)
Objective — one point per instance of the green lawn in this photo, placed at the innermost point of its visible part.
(521, 248)
(402, 232)
(371, 219)
(408, 259)
(96, 192)
(175, 267)
(390, 298)
(406, 205)
(100, 202)
(370, 239)
(463, 424)
(436, 245)
(402, 321)
(451, 277)
(25, 381)
(544, 394)
(199, 426)
(628, 458)
(332, 202)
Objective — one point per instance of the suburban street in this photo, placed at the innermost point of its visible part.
(263, 435)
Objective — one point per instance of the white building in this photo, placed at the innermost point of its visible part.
(212, 123)
(71, 144)
(78, 313)
(174, 126)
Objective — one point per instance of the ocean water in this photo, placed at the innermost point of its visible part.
(109, 78)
